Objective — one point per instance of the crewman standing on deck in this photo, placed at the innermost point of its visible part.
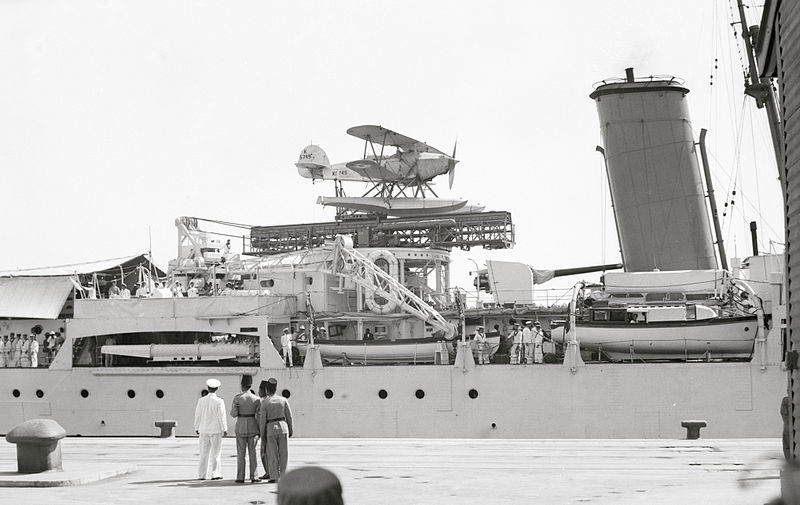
(286, 346)
(11, 351)
(33, 352)
(4, 351)
(24, 352)
(301, 336)
(538, 342)
(516, 343)
(482, 346)
(527, 341)
(245, 408)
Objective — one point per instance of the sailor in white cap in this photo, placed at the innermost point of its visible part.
(516, 344)
(538, 340)
(527, 341)
(286, 345)
(302, 337)
(211, 423)
(482, 346)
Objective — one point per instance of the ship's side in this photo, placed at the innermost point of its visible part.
(608, 400)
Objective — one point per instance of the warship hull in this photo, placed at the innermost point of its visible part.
(604, 400)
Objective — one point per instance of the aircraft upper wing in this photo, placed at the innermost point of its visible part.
(371, 170)
(382, 136)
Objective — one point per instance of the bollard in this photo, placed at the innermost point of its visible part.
(38, 444)
(693, 428)
(167, 428)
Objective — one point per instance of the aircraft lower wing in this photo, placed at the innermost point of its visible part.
(372, 170)
(385, 137)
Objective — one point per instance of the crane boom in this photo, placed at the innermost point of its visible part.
(348, 262)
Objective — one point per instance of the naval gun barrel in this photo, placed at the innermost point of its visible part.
(585, 270)
(181, 352)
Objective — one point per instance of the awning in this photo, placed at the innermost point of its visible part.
(33, 297)
(88, 267)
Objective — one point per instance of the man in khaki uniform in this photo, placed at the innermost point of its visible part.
(244, 409)
(262, 395)
(275, 423)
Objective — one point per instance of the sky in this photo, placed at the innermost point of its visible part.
(117, 117)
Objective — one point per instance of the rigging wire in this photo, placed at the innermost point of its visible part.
(719, 168)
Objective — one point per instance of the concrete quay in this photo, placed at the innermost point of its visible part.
(462, 471)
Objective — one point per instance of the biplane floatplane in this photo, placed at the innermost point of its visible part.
(398, 182)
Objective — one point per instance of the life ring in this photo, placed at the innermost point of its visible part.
(375, 302)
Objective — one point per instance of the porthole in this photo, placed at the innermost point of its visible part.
(382, 394)
(131, 393)
(159, 393)
(267, 283)
(473, 393)
(420, 394)
(84, 393)
(328, 394)
(203, 392)
(39, 393)
(286, 393)
(15, 393)
(746, 328)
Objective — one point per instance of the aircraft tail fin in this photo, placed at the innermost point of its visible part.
(312, 162)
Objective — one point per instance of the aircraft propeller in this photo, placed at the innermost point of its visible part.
(452, 162)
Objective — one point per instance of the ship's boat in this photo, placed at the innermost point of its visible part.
(664, 332)
(366, 352)
(401, 351)
(675, 315)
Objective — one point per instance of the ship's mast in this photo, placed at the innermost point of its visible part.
(760, 88)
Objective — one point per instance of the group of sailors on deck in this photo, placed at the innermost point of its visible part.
(23, 350)
(291, 337)
(164, 289)
(526, 344)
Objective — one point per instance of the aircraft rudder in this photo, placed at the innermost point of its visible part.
(312, 161)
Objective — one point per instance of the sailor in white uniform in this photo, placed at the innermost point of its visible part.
(33, 352)
(527, 341)
(211, 423)
(11, 351)
(516, 339)
(24, 352)
(286, 344)
(538, 341)
(482, 346)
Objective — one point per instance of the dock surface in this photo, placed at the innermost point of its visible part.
(414, 471)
